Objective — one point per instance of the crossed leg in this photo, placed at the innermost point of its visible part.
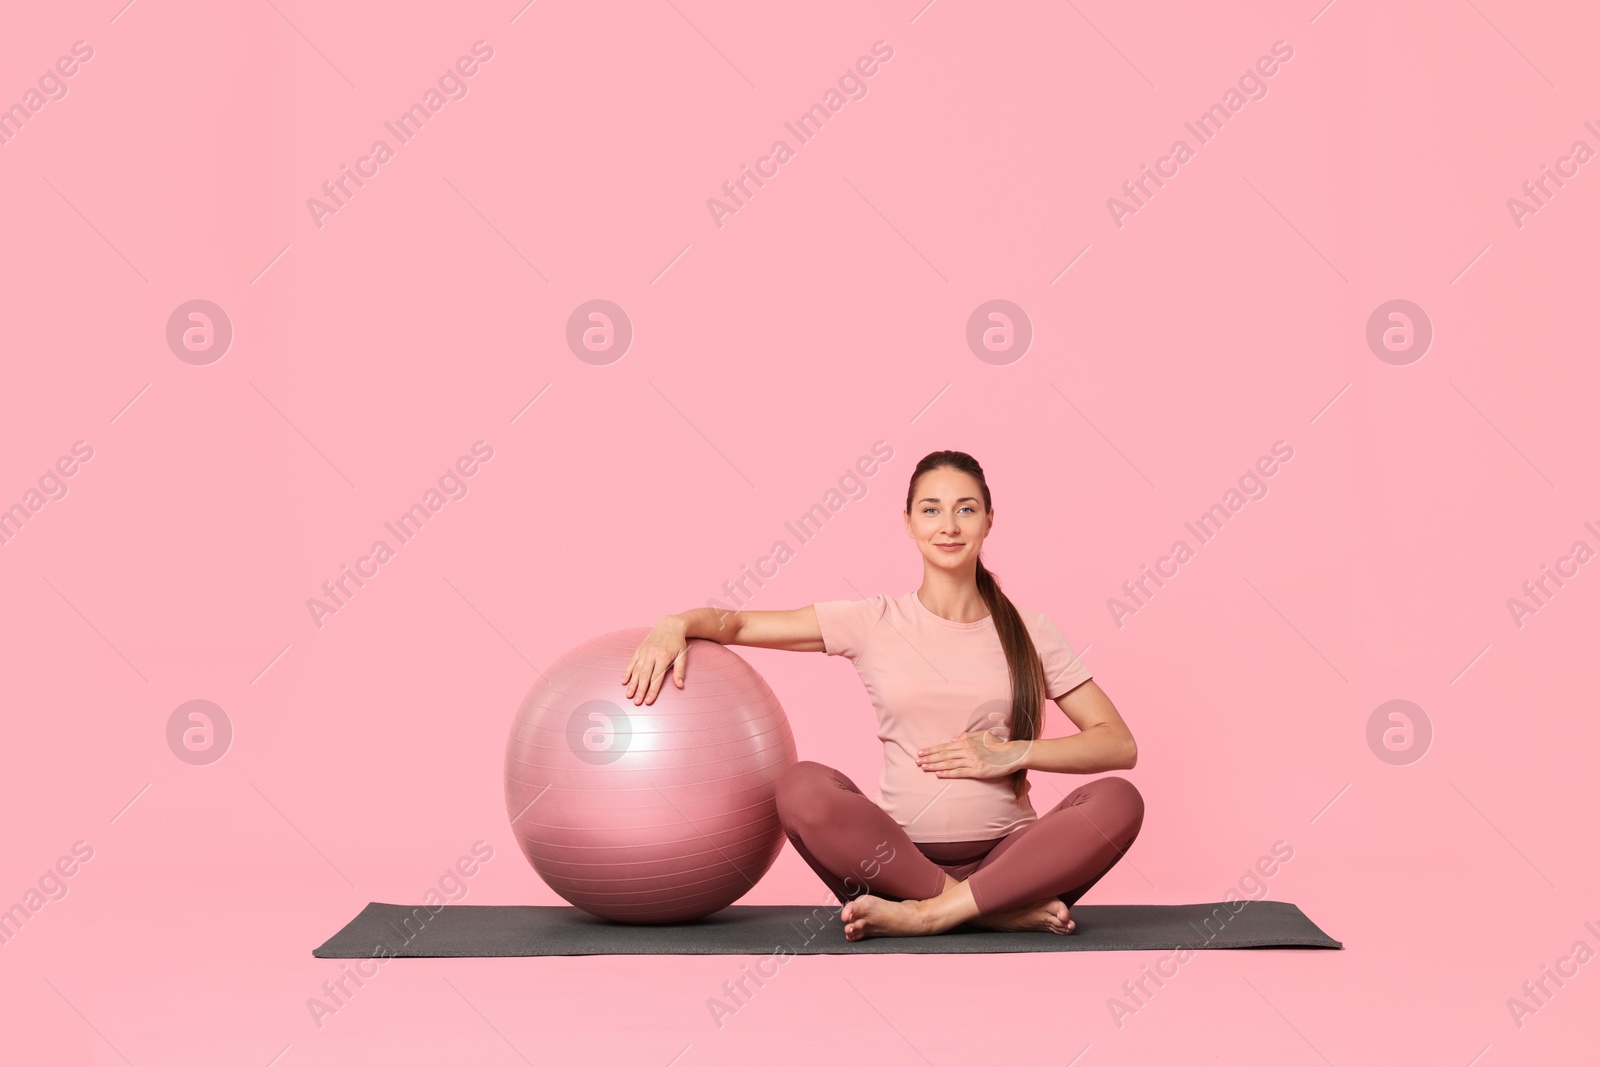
(889, 886)
(852, 844)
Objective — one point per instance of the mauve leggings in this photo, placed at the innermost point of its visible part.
(856, 847)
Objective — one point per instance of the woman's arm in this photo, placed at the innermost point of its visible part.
(1103, 743)
(795, 630)
(665, 647)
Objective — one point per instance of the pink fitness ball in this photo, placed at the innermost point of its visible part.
(649, 813)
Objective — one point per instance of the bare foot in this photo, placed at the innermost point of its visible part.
(1049, 915)
(870, 916)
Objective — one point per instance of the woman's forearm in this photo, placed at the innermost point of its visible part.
(1099, 748)
(710, 624)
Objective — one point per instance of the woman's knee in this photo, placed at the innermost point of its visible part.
(1124, 796)
(800, 775)
(802, 790)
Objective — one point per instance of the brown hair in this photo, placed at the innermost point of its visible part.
(1027, 671)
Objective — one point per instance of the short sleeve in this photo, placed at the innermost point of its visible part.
(1063, 669)
(847, 625)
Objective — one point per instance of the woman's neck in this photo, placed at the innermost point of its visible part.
(955, 600)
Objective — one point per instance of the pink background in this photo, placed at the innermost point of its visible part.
(768, 355)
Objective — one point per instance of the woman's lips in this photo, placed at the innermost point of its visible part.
(949, 548)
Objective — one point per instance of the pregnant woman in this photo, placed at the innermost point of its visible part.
(959, 677)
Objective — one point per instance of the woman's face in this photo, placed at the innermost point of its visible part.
(947, 509)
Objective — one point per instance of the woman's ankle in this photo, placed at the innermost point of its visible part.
(950, 908)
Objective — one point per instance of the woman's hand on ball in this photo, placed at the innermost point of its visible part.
(664, 647)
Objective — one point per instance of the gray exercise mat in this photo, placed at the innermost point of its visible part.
(768, 929)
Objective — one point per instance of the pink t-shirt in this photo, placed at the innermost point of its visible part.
(931, 679)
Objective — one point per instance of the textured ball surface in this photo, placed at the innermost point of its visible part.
(654, 813)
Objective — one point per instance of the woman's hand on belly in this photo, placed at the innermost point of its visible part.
(974, 754)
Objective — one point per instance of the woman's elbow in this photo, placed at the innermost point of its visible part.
(1131, 753)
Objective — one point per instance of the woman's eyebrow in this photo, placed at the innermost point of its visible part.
(935, 500)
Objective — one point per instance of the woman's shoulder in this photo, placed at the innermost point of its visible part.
(1029, 615)
(877, 601)
(848, 625)
(1040, 624)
